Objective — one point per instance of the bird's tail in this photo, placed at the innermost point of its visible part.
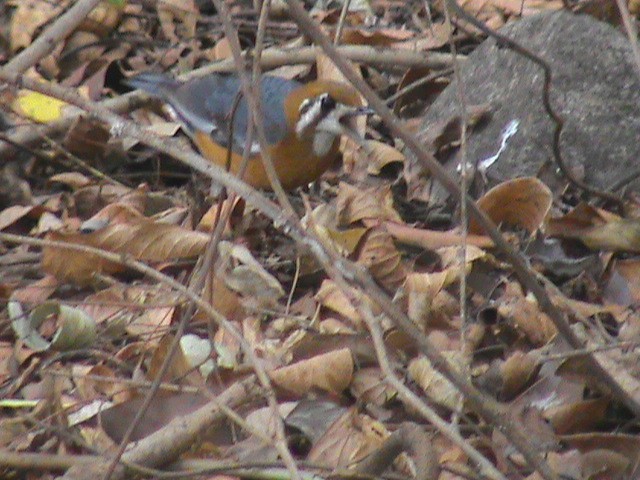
(156, 84)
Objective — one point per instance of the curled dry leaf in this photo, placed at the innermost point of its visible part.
(354, 205)
(349, 439)
(451, 256)
(180, 367)
(114, 213)
(87, 138)
(109, 385)
(602, 463)
(525, 313)
(495, 13)
(421, 90)
(175, 14)
(621, 236)
(521, 203)
(375, 37)
(244, 275)
(331, 296)
(380, 155)
(427, 303)
(379, 254)
(581, 217)
(74, 329)
(222, 49)
(420, 289)
(234, 207)
(324, 221)
(578, 416)
(369, 387)
(436, 36)
(103, 19)
(91, 198)
(623, 285)
(517, 372)
(434, 384)
(598, 229)
(141, 310)
(227, 349)
(330, 371)
(626, 445)
(81, 48)
(13, 214)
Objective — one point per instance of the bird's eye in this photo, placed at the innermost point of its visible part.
(327, 102)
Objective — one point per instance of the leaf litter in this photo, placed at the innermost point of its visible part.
(309, 333)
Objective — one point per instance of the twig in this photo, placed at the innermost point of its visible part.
(464, 215)
(343, 16)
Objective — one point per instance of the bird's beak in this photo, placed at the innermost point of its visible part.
(356, 111)
(346, 122)
(339, 122)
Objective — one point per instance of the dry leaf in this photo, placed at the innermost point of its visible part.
(380, 155)
(349, 439)
(525, 313)
(521, 203)
(29, 16)
(379, 254)
(331, 372)
(143, 240)
(434, 384)
(331, 296)
(243, 274)
(354, 204)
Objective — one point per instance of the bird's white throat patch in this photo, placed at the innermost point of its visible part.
(322, 142)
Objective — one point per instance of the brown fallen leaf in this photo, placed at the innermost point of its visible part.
(598, 229)
(378, 253)
(332, 372)
(354, 204)
(522, 203)
(433, 383)
(349, 439)
(143, 240)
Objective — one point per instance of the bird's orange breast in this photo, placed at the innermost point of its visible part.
(293, 160)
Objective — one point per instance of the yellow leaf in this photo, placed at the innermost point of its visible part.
(38, 107)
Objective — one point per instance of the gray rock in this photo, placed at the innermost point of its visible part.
(595, 88)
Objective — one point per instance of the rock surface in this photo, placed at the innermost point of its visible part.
(595, 87)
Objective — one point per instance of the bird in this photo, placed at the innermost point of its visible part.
(303, 122)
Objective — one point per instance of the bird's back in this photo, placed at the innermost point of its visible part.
(207, 103)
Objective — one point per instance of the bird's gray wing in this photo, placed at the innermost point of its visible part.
(207, 104)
